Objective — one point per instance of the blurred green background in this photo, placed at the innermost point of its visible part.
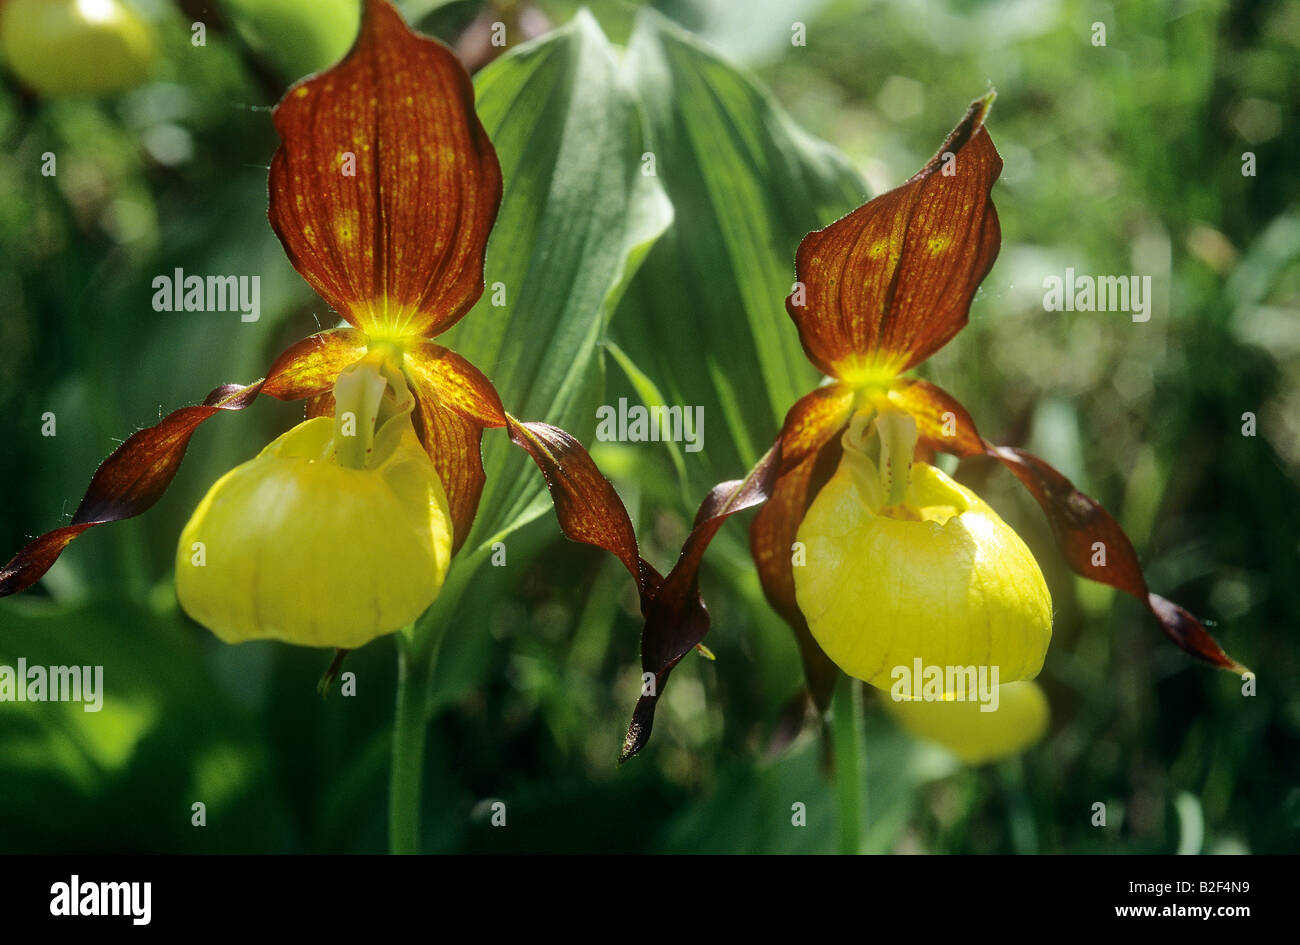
(1119, 159)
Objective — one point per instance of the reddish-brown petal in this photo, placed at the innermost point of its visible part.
(313, 378)
(942, 424)
(322, 405)
(771, 543)
(586, 505)
(1091, 541)
(309, 368)
(814, 419)
(810, 450)
(454, 403)
(676, 618)
(455, 446)
(137, 473)
(590, 511)
(386, 186)
(459, 385)
(35, 558)
(883, 288)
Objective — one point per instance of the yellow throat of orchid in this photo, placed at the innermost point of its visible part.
(336, 533)
(904, 564)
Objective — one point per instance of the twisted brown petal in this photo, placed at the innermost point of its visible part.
(139, 471)
(810, 450)
(786, 477)
(676, 618)
(814, 419)
(590, 511)
(586, 505)
(1091, 541)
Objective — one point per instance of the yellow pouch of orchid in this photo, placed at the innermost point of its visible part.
(336, 533)
(902, 563)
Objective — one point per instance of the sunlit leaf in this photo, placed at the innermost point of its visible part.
(704, 316)
(576, 220)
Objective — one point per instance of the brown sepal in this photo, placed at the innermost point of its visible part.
(883, 288)
(386, 186)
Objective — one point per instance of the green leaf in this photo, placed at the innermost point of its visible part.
(705, 316)
(123, 776)
(650, 396)
(577, 218)
(753, 807)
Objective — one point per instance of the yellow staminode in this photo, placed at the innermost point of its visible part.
(336, 533)
(902, 563)
(973, 735)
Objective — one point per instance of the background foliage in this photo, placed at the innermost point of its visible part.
(1119, 159)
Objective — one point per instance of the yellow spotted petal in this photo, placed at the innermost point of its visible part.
(975, 736)
(293, 546)
(940, 578)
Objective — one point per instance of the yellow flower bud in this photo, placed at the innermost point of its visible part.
(299, 546)
(902, 563)
(77, 47)
(976, 736)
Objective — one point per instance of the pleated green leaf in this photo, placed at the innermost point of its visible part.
(705, 315)
(577, 218)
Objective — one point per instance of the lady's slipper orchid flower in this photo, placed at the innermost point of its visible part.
(873, 556)
(362, 507)
(383, 192)
(902, 563)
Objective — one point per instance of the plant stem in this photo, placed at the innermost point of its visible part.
(846, 737)
(414, 676)
(417, 651)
